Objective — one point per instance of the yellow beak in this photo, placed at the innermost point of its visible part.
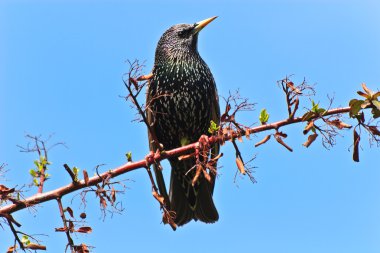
(202, 24)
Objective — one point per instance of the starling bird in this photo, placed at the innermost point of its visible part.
(182, 100)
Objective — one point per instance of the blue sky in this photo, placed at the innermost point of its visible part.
(61, 67)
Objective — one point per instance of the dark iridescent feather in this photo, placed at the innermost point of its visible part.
(182, 100)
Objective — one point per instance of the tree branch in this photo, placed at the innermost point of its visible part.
(130, 166)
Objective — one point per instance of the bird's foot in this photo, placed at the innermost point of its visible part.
(168, 217)
(149, 159)
(152, 157)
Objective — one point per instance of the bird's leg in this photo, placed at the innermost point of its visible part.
(168, 216)
(150, 159)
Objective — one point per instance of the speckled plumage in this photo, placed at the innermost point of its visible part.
(183, 99)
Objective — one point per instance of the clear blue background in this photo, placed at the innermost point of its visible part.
(61, 67)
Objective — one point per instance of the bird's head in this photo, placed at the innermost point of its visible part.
(180, 40)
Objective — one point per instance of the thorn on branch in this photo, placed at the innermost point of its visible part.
(85, 177)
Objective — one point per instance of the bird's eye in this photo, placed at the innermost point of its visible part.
(184, 33)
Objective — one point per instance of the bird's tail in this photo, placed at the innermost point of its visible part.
(188, 201)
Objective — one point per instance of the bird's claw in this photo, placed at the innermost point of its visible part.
(152, 157)
(149, 159)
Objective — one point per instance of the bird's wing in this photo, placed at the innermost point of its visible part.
(215, 116)
(157, 171)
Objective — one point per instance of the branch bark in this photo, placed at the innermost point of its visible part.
(130, 166)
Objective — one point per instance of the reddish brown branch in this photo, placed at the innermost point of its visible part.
(57, 193)
(278, 124)
(43, 170)
(64, 221)
(135, 68)
(10, 223)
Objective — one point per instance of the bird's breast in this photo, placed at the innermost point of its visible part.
(181, 102)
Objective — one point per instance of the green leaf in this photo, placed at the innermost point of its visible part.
(321, 111)
(315, 106)
(32, 172)
(352, 101)
(213, 127)
(25, 240)
(307, 116)
(264, 116)
(40, 167)
(76, 170)
(375, 113)
(376, 104)
(355, 107)
(35, 182)
(37, 163)
(129, 156)
(43, 160)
